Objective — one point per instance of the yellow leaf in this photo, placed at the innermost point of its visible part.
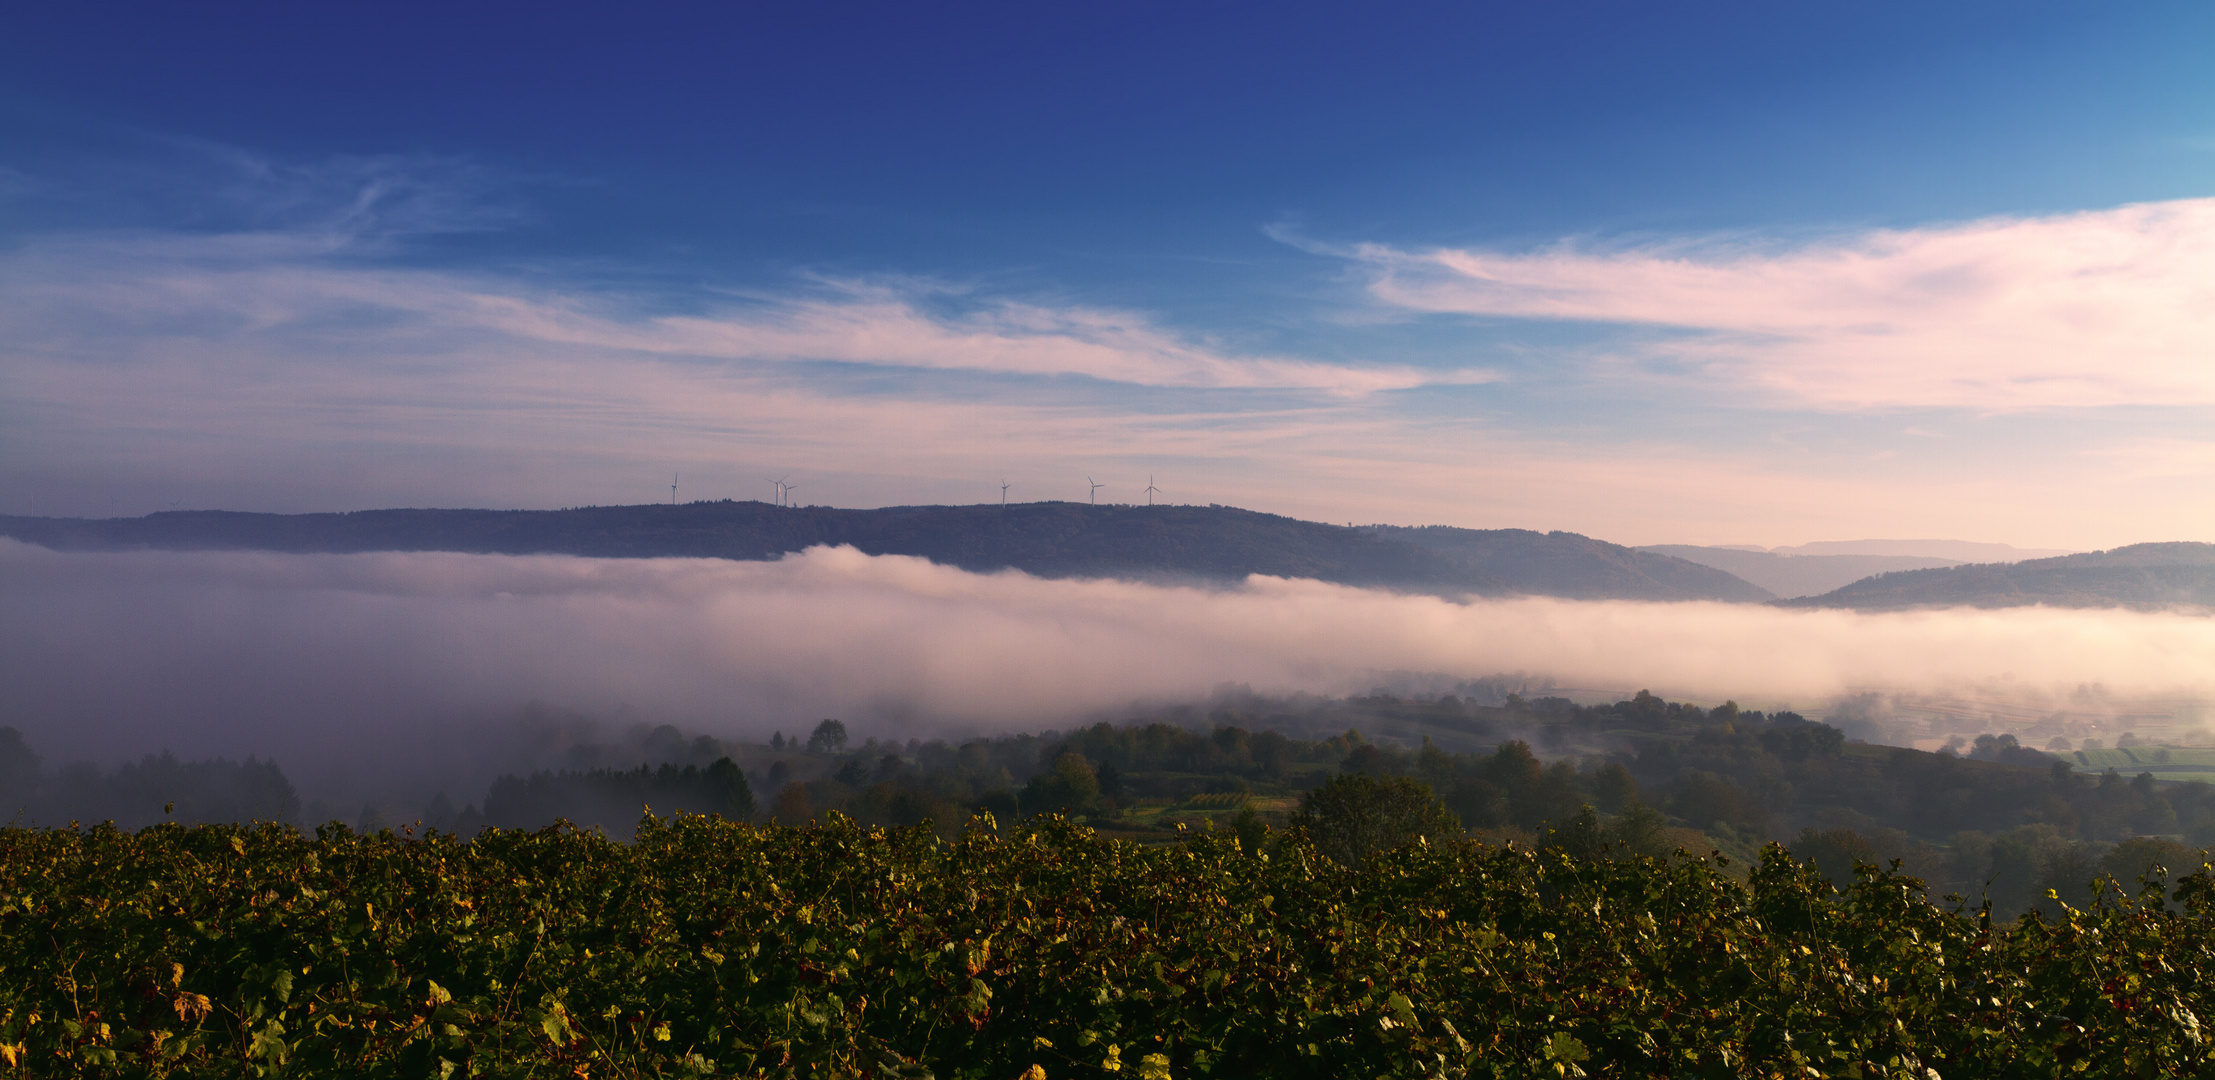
(191, 1006)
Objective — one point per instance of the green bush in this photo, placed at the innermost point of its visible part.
(1354, 816)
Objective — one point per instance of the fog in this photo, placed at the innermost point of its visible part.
(352, 669)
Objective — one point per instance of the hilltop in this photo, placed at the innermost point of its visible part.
(2145, 576)
(1049, 539)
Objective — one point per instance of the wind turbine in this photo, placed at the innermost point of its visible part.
(672, 489)
(1096, 486)
(780, 490)
(1151, 490)
(788, 490)
(1003, 493)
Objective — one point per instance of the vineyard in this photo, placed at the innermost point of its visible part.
(708, 948)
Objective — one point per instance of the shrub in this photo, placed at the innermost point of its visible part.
(1354, 816)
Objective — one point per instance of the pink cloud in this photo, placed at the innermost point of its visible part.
(2110, 307)
(244, 372)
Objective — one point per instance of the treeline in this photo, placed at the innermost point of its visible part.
(1642, 775)
(1099, 773)
(2003, 820)
(603, 795)
(155, 788)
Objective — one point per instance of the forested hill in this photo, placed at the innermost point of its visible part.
(1566, 564)
(1051, 539)
(2145, 576)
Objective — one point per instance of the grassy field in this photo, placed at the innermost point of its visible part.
(1191, 812)
(2165, 762)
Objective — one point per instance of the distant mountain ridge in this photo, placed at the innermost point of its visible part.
(1050, 539)
(2145, 576)
(1789, 575)
(1953, 551)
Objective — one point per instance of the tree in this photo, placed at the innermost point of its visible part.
(1638, 830)
(1071, 786)
(1111, 780)
(792, 807)
(1799, 740)
(829, 738)
(1252, 832)
(1834, 853)
(1615, 788)
(1706, 800)
(1353, 817)
(728, 789)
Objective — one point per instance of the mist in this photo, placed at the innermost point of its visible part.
(352, 670)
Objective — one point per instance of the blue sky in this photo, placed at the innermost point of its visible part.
(1732, 273)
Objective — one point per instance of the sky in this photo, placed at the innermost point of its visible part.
(1712, 273)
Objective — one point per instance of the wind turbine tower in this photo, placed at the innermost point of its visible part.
(1151, 490)
(1003, 493)
(1096, 486)
(672, 489)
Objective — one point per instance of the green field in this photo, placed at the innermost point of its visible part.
(1197, 812)
(2164, 762)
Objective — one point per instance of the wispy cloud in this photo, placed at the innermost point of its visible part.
(168, 181)
(259, 371)
(308, 359)
(2101, 308)
(241, 284)
(884, 325)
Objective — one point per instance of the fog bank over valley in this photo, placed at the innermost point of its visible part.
(352, 669)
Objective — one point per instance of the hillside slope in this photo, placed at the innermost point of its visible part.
(1052, 539)
(1797, 575)
(1570, 565)
(2146, 576)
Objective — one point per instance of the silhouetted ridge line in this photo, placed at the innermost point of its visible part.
(2179, 574)
(1048, 539)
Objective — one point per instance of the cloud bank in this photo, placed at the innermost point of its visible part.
(349, 665)
(2109, 307)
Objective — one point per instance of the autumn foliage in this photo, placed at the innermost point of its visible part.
(709, 948)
